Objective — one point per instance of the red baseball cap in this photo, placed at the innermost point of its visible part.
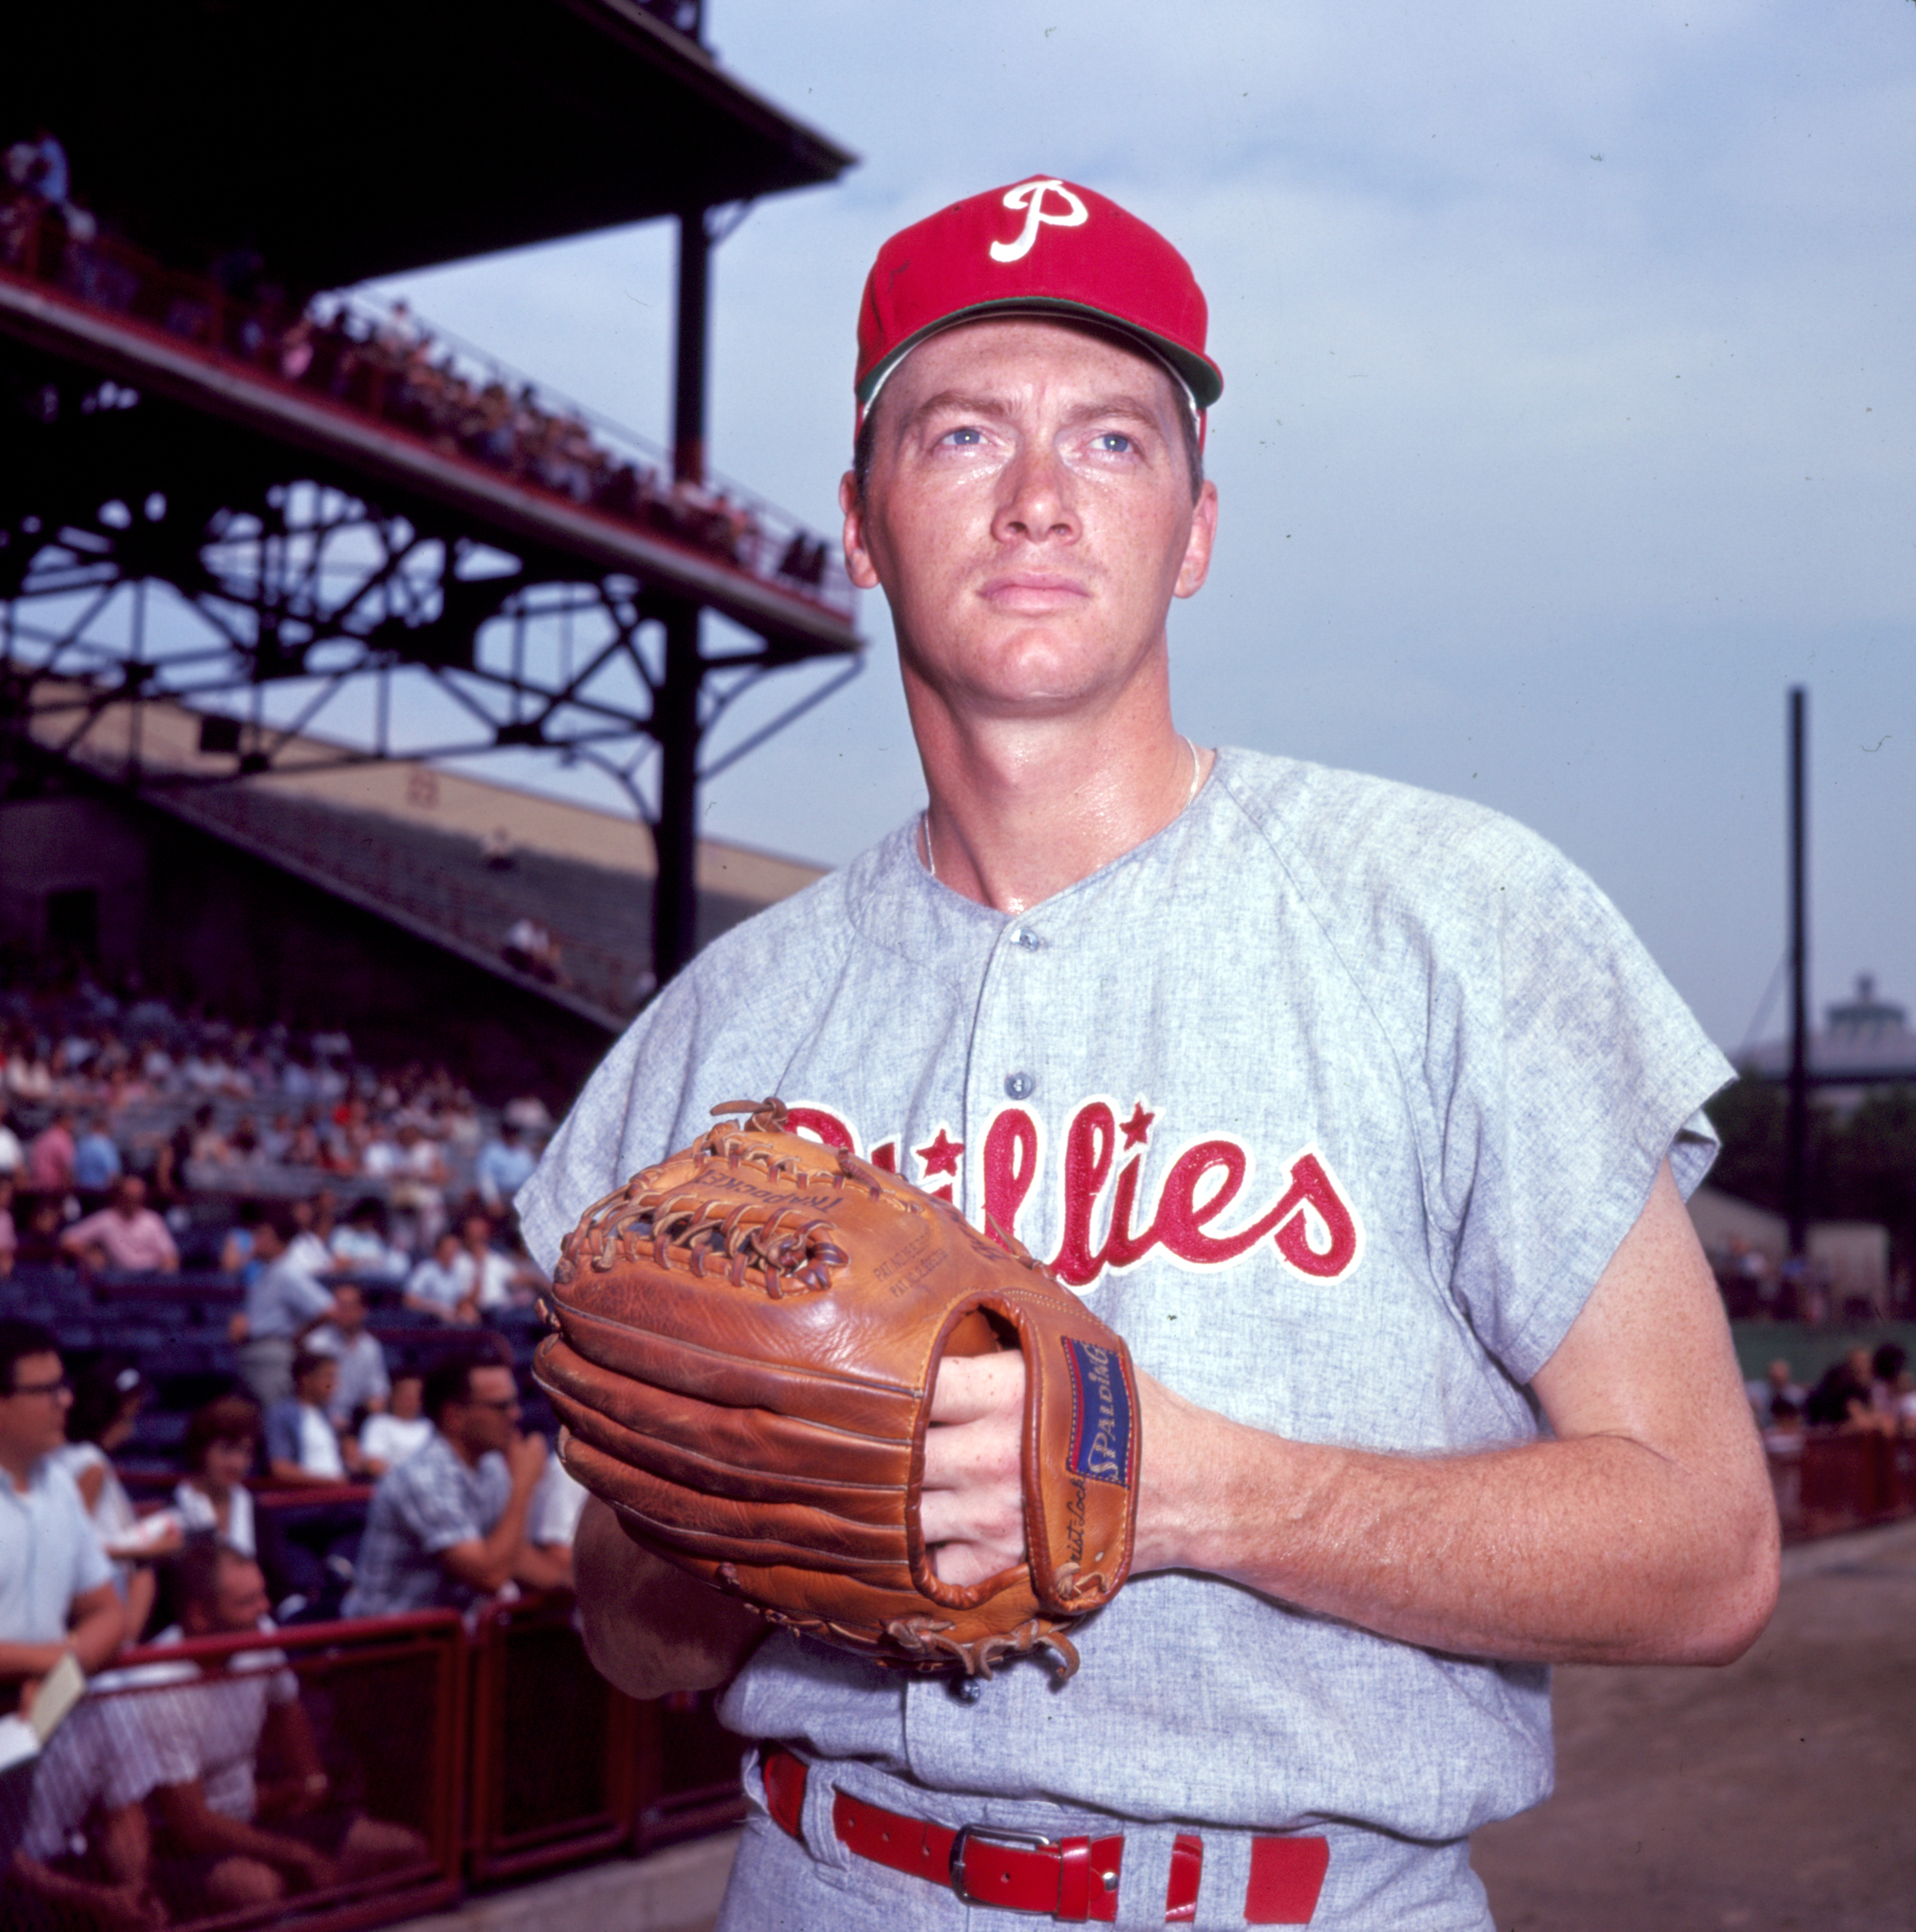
(1042, 246)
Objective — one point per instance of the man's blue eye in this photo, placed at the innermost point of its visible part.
(1115, 442)
(966, 437)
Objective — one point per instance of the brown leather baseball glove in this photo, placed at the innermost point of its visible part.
(747, 1337)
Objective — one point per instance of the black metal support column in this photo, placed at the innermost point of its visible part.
(1797, 1129)
(676, 723)
(675, 831)
(689, 381)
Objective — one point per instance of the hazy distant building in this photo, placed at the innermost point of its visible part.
(1864, 1042)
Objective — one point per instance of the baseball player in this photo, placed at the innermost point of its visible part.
(1357, 1112)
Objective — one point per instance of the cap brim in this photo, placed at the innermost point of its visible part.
(1197, 372)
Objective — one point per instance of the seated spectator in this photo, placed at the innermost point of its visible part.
(387, 1440)
(126, 1235)
(1776, 1385)
(1782, 1433)
(84, 1856)
(13, 1150)
(361, 1388)
(492, 1280)
(212, 1499)
(301, 1449)
(360, 1247)
(1842, 1399)
(38, 1235)
(97, 1162)
(209, 1734)
(309, 1250)
(50, 1161)
(236, 1249)
(443, 1285)
(503, 1166)
(283, 1302)
(418, 1181)
(448, 1525)
(57, 1591)
(10, 1239)
(108, 1393)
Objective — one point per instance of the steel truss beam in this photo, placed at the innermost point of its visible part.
(148, 554)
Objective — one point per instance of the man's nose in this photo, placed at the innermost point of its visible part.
(1036, 504)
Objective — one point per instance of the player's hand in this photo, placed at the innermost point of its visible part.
(973, 1507)
(525, 1459)
(972, 1510)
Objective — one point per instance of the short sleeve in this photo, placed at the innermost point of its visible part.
(282, 1432)
(1573, 1071)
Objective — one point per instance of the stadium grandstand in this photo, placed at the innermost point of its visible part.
(291, 993)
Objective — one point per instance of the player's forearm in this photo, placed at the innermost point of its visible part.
(649, 1628)
(1597, 1550)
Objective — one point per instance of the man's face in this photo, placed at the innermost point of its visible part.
(1029, 515)
(129, 1196)
(349, 1310)
(485, 1418)
(239, 1603)
(316, 1387)
(33, 1418)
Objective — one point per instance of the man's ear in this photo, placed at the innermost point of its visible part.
(858, 563)
(1197, 564)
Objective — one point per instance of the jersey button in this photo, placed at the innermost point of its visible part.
(1024, 936)
(1019, 1086)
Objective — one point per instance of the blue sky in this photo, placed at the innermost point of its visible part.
(1568, 416)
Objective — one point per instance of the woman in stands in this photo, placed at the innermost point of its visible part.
(222, 1444)
(107, 1394)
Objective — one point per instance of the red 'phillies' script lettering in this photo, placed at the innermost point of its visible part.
(1311, 1186)
(1312, 1227)
(1010, 1166)
(1087, 1161)
(827, 1127)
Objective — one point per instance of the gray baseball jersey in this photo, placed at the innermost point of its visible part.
(1334, 1098)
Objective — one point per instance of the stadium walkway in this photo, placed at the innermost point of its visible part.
(1772, 1795)
(677, 1889)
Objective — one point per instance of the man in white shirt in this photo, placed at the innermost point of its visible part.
(208, 1736)
(440, 1287)
(362, 1385)
(57, 1590)
(301, 1447)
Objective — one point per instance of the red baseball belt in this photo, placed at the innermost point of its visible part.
(1071, 1878)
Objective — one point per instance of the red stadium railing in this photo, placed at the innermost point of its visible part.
(563, 1768)
(1829, 1483)
(483, 1756)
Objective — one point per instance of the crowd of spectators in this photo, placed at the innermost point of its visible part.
(356, 1445)
(1864, 1392)
(387, 365)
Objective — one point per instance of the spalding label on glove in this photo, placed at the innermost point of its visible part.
(748, 1337)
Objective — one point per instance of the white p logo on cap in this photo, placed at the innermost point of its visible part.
(1029, 196)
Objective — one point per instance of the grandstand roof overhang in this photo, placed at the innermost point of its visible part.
(368, 139)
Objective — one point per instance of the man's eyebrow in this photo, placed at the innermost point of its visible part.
(957, 402)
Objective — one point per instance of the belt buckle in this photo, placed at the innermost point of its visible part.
(999, 1835)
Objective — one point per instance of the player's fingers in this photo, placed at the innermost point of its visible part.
(973, 1388)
